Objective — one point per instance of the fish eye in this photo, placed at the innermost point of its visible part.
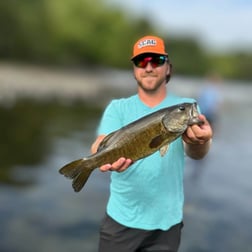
(181, 108)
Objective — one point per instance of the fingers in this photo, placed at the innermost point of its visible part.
(120, 165)
(105, 167)
(198, 134)
(190, 137)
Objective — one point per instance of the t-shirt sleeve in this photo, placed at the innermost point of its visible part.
(111, 119)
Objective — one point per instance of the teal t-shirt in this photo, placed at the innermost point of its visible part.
(149, 194)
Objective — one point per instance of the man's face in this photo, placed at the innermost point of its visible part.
(150, 71)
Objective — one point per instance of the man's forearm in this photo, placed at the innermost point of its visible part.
(197, 151)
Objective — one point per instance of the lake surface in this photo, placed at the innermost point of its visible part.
(40, 212)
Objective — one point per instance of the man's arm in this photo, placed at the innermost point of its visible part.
(197, 139)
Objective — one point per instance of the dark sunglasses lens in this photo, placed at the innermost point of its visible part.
(139, 63)
(142, 61)
(158, 61)
(154, 60)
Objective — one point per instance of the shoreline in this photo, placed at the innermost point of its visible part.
(27, 80)
(96, 84)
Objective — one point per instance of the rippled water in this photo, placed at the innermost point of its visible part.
(46, 215)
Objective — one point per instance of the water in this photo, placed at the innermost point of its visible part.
(40, 212)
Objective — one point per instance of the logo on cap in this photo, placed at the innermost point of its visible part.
(147, 42)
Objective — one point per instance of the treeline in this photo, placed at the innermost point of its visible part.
(66, 32)
(88, 32)
(189, 58)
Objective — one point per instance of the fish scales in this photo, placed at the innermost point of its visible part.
(136, 140)
(134, 143)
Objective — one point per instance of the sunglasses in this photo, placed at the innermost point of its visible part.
(156, 61)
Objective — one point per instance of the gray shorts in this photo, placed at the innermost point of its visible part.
(115, 237)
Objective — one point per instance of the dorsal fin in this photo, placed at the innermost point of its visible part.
(104, 142)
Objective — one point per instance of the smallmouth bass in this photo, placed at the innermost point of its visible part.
(135, 141)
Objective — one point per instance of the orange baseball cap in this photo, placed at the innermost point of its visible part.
(149, 44)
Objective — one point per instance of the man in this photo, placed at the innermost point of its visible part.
(145, 207)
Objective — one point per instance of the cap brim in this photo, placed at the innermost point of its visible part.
(165, 54)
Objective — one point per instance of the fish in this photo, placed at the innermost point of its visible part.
(135, 141)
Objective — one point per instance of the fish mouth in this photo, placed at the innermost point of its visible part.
(194, 116)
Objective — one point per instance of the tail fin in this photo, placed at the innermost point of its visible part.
(78, 171)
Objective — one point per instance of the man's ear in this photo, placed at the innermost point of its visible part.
(169, 72)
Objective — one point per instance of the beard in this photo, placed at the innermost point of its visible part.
(152, 85)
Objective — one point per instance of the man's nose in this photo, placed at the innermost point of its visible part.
(148, 67)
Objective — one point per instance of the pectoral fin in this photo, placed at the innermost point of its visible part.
(164, 149)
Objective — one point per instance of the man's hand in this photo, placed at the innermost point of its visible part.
(120, 165)
(198, 134)
(197, 139)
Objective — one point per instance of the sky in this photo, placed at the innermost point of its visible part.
(217, 24)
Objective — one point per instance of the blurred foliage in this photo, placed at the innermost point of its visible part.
(69, 32)
(186, 56)
(80, 32)
(236, 65)
(29, 127)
